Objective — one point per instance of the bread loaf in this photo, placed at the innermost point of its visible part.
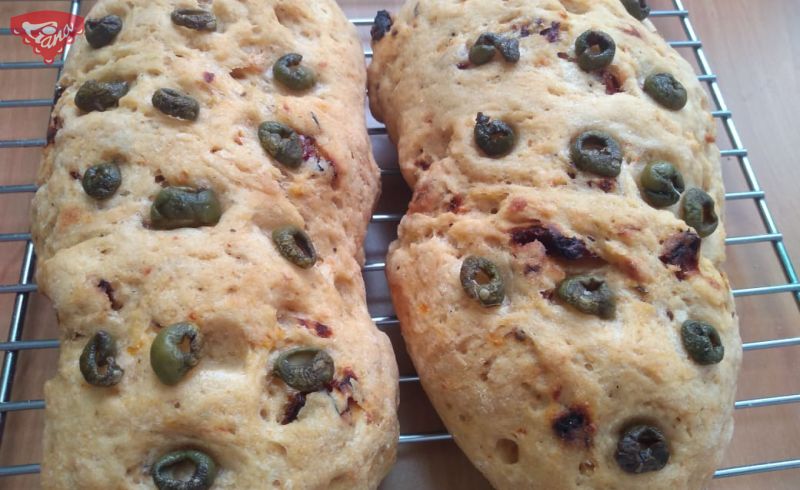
(188, 248)
(557, 276)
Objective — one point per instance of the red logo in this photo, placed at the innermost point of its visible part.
(47, 31)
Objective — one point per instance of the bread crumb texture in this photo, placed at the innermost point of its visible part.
(544, 358)
(187, 236)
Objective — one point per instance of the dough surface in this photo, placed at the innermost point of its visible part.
(507, 379)
(105, 268)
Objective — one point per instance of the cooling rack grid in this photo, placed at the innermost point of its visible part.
(23, 290)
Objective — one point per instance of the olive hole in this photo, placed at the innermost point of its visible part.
(597, 44)
(648, 439)
(182, 471)
(595, 145)
(708, 212)
(102, 366)
(498, 135)
(592, 285)
(185, 345)
(482, 277)
(302, 244)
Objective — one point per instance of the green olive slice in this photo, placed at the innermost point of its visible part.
(185, 207)
(699, 212)
(662, 184)
(588, 294)
(642, 449)
(305, 369)
(290, 73)
(595, 50)
(169, 360)
(102, 32)
(281, 142)
(637, 8)
(205, 471)
(494, 137)
(196, 19)
(176, 104)
(295, 245)
(482, 281)
(702, 342)
(97, 362)
(100, 96)
(596, 152)
(666, 90)
(101, 181)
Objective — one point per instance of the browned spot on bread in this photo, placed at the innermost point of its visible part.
(312, 150)
(454, 206)
(320, 329)
(53, 126)
(610, 80)
(682, 250)
(574, 426)
(554, 241)
(565, 56)
(241, 72)
(75, 174)
(552, 33)
(606, 184)
(108, 289)
(345, 386)
(68, 217)
(296, 402)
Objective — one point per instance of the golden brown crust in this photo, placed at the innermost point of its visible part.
(249, 302)
(501, 377)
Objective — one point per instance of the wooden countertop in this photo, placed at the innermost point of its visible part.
(751, 47)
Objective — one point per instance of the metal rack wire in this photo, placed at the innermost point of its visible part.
(25, 286)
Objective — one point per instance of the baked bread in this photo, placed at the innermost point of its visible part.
(163, 231)
(567, 320)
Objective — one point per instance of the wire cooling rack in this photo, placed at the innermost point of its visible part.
(25, 287)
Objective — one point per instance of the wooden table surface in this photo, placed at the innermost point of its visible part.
(751, 47)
